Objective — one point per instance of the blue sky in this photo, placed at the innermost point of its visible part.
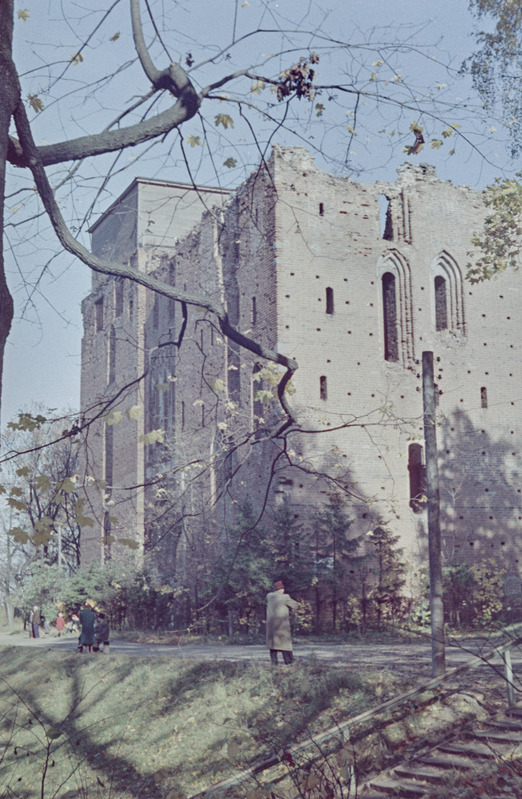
(43, 353)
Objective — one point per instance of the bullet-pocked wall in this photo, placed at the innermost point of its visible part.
(354, 282)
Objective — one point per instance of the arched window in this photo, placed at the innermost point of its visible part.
(329, 300)
(441, 303)
(417, 472)
(389, 303)
(448, 295)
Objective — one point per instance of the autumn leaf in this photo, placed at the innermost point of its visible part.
(115, 37)
(257, 86)
(52, 733)
(35, 102)
(23, 14)
(225, 120)
(230, 162)
(18, 535)
(77, 59)
(153, 437)
(23, 471)
(135, 412)
(194, 141)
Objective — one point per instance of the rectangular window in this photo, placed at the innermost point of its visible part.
(118, 297)
(323, 387)
(98, 315)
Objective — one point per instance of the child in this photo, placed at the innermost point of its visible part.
(101, 634)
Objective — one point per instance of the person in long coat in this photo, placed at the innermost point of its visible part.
(35, 622)
(87, 619)
(278, 634)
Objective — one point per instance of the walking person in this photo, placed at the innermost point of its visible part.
(278, 634)
(35, 621)
(87, 619)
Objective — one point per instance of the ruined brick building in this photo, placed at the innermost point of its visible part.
(305, 266)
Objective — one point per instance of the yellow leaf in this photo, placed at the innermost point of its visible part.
(115, 37)
(35, 102)
(23, 14)
(194, 141)
(77, 59)
(135, 412)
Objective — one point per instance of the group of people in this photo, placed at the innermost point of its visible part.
(94, 627)
(94, 630)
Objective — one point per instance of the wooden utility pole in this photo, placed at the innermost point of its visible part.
(438, 657)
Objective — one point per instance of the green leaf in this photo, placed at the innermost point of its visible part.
(225, 120)
(114, 418)
(52, 733)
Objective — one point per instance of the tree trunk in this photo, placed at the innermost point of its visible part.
(9, 97)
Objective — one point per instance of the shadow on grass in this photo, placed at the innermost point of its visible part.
(131, 727)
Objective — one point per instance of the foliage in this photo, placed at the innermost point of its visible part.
(388, 570)
(458, 584)
(488, 590)
(496, 66)
(500, 238)
(42, 501)
(243, 572)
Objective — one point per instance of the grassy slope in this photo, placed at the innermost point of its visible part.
(136, 727)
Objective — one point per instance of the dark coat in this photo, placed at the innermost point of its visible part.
(278, 635)
(87, 619)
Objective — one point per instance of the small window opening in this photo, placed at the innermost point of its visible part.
(441, 304)
(118, 298)
(483, 397)
(385, 217)
(321, 209)
(329, 301)
(98, 315)
(389, 301)
(323, 387)
(112, 355)
(155, 313)
(254, 311)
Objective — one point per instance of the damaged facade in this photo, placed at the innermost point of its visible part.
(352, 281)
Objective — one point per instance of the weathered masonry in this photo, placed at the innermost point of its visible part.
(354, 282)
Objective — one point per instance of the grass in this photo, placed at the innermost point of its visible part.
(114, 726)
